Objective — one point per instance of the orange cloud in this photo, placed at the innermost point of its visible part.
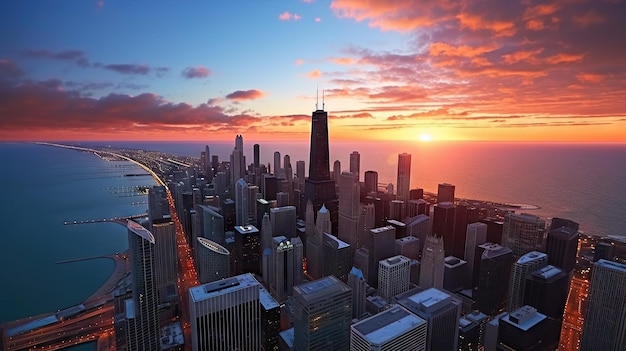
(299, 62)
(528, 56)
(342, 60)
(474, 22)
(589, 77)
(438, 49)
(564, 58)
(245, 95)
(314, 74)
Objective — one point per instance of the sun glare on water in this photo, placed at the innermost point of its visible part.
(425, 137)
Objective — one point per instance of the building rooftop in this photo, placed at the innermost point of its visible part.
(320, 288)
(612, 265)
(394, 261)
(531, 256)
(407, 239)
(246, 229)
(453, 262)
(266, 300)
(547, 272)
(382, 229)
(387, 325)
(139, 230)
(224, 286)
(287, 336)
(494, 250)
(357, 272)
(172, 335)
(340, 244)
(213, 246)
(430, 300)
(524, 317)
(396, 223)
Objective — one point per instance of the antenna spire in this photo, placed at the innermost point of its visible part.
(323, 103)
(317, 97)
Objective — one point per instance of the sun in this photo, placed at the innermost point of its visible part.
(426, 137)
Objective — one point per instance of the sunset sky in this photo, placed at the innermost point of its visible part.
(397, 69)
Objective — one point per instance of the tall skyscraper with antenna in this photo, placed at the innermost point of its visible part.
(319, 187)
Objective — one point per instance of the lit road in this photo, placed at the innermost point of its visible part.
(187, 275)
(84, 327)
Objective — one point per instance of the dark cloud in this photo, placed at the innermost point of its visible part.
(125, 68)
(196, 72)
(9, 70)
(76, 56)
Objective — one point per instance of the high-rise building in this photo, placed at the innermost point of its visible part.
(524, 329)
(546, 290)
(454, 273)
(336, 171)
(283, 221)
(277, 169)
(475, 235)
(472, 331)
(419, 227)
(322, 315)
(441, 311)
(445, 193)
(523, 233)
(212, 261)
(241, 202)
(357, 283)
(605, 317)
(247, 249)
(393, 276)
(371, 182)
(443, 226)
(300, 171)
(355, 164)
(143, 325)
(212, 224)
(493, 280)
(393, 329)
(319, 187)
(367, 221)
(237, 162)
(404, 176)
(257, 154)
(287, 266)
(348, 227)
(270, 321)
(226, 315)
(158, 206)
(432, 264)
(166, 259)
(381, 246)
(525, 265)
(562, 246)
(408, 246)
(337, 257)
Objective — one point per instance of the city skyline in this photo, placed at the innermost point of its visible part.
(408, 70)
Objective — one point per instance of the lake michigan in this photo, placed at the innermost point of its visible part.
(45, 186)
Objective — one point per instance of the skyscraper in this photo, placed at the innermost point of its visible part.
(322, 315)
(225, 315)
(337, 257)
(546, 290)
(277, 168)
(380, 243)
(247, 249)
(349, 209)
(408, 246)
(605, 317)
(336, 171)
(523, 233)
(493, 280)
(393, 329)
(357, 283)
(441, 311)
(241, 202)
(158, 206)
(143, 328)
(371, 182)
(287, 270)
(355, 164)
(404, 176)
(257, 154)
(319, 187)
(445, 193)
(212, 261)
(166, 259)
(283, 221)
(393, 276)
(237, 162)
(443, 226)
(525, 265)
(524, 329)
(212, 222)
(476, 234)
(432, 264)
(562, 246)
